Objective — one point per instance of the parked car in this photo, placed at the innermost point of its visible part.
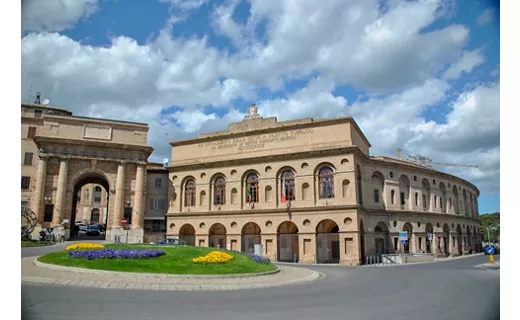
(102, 227)
(93, 230)
(169, 242)
(82, 227)
(497, 249)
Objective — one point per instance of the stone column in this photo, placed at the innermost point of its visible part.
(61, 192)
(39, 192)
(119, 196)
(139, 209)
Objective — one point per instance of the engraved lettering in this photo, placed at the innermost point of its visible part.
(255, 142)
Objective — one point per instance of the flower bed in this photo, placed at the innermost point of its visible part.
(258, 258)
(85, 246)
(214, 257)
(115, 254)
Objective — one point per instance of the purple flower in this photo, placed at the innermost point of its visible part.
(115, 254)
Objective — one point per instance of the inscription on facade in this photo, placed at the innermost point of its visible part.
(256, 142)
(97, 132)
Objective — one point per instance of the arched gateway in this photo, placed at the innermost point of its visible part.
(75, 151)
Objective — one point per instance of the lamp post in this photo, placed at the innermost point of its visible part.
(492, 228)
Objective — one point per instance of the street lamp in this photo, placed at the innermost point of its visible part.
(492, 228)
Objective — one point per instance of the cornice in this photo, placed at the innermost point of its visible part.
(93, 143)
(263, 211)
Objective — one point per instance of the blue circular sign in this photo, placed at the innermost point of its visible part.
(490, 250)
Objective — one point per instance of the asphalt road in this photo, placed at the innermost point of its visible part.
(446, 290)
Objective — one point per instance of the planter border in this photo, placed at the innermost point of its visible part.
(155, 275)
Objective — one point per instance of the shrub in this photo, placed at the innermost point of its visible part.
(116, 254)
(84, 246)
(214, 257)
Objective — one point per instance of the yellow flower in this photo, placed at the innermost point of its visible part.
(214, 257)
(84, 246)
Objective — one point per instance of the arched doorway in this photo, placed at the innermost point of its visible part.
(471, 245)
(288, 249)
(327, 242)
(382, 239)
(362, 240)
(409, 229)
(429, 230)
(217, 236)
(250, 237)
(187, 233)
(459, 239)
(81, 210)
(446, 240)
(94, 215)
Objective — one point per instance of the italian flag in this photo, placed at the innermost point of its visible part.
(284, 198)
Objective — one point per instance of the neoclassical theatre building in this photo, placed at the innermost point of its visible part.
(308, 191)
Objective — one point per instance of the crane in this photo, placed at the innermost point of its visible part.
(429, 162)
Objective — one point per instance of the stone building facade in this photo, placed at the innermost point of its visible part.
(156, 202)
(309, 191)
(71, 152)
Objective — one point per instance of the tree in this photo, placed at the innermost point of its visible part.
(491, 220)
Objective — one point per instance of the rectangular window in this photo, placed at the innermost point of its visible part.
(26, 182)
(435, 201)
(28, 159)
(396, 241)
(158, 182)
(31, 133)
(38, 113)
(376, 195)
(157, 204)
(402, 198)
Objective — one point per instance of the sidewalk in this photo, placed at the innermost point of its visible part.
(493, 266)
(57, 275)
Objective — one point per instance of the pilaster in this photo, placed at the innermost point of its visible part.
(119, 196)
(39, 191)
(61, 192)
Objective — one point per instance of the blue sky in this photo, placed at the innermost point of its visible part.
(419, 75)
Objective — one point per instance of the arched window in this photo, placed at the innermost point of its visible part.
(252, 188)
(189, 194)
(326, 179)
(287, 185)
(220, 191)
(97, 194)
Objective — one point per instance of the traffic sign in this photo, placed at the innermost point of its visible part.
(403, 235)
(490, 250)
(123, 221)
(430, 236)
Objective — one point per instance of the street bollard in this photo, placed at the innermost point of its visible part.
(491, 258)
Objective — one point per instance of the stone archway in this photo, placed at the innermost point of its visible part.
(250, 237)
(327, 241)
(217, 236)
(187, 233)
(73, 150)
(288, 246)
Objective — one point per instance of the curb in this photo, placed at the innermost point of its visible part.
(153, 275)
(172, 287)
(336, 265)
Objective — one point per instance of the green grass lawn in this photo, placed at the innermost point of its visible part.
(36, 243)
(177, 260)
